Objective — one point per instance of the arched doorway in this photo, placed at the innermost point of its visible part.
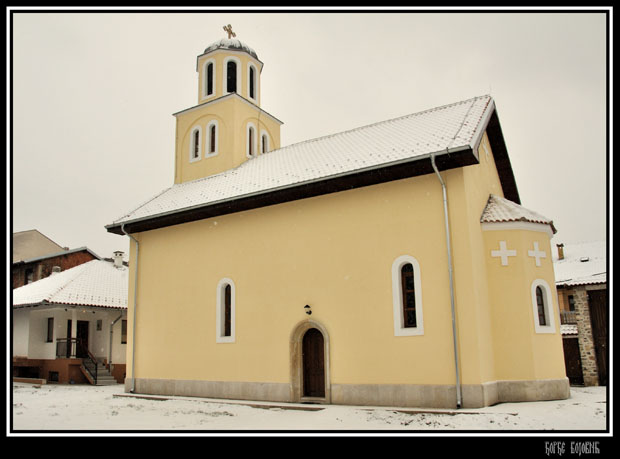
(310, 374)
(313, 364)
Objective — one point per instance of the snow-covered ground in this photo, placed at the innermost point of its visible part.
(69, 408)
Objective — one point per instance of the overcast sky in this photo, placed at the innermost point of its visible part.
(93, 97)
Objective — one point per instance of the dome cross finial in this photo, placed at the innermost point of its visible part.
(228, 29)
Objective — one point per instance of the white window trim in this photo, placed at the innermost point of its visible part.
(204, 79)
(549, 309)
(193, 159)
(225, 72)
(208, 154)
(219, 312)
(397, 296)
(254, 140)
(255, 98)
(264, 133)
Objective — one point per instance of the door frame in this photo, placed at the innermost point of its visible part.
(296, 347)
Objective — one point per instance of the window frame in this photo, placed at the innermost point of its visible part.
(50, 330)
(208, 153)
(205, 79)
(192, 144)
(220, 313)
(253, 142)
(398, 297)
(252, 82)
(548, 307)
(264, 135)
(225, 75)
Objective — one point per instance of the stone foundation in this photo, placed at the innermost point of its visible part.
(399, 395)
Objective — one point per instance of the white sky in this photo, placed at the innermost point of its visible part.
(93, 96)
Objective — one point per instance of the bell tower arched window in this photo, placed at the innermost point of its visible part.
(195, 144)
(231, 76)
(251, 141)
(209, 79)
(212, 138)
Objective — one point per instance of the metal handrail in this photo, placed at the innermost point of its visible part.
(568, 317)
(68, 348)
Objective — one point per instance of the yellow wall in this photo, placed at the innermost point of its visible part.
(233, 116)
(335, 253)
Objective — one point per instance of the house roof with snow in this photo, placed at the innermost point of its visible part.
(380, 152)
(95, 283)
(583, 264)
(500, 210)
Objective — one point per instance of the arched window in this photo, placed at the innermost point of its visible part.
(225, 312)
(194, 144)
(540, 302)
(251, 141)
(209, 77)
(542, 307)
(231, 76)
(407, 297)
(252, 81)
(264, 142)
(212, 138)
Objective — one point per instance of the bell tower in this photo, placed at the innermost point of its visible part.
(228, 126)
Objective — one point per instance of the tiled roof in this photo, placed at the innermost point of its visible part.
(569, 329)
(95, 283)
(441, 130)
(583, 263)
(499, 209)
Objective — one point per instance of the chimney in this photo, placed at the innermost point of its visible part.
(56, 270)
(118, 259)
(560, 251)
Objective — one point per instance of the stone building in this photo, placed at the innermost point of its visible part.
(581, 280)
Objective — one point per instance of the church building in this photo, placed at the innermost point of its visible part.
(391, 264)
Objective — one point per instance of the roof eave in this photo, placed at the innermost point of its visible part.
(446, 159)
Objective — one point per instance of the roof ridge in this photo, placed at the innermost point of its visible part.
(359, 128)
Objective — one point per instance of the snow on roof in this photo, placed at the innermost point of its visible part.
(499, 209)
(569, 329)
(436, 131)
(231, 43)
(95, 283)
(583, 263)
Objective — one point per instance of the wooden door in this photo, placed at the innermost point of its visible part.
(597, 300)
(313, 358)
(572, 360)
(82, 339)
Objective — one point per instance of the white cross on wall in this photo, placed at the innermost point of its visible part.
(503, 253)
(536, 253)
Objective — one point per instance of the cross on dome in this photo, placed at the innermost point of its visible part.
(537, 253)
(228, 29)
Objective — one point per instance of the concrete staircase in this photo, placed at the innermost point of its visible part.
(104, 378)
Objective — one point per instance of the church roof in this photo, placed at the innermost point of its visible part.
(95, 283)
(231, 43)
(380, 152)
(499, 210)
(583, 263)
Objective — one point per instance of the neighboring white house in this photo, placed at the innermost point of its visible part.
(66, 322)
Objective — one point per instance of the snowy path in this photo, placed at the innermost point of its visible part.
(84, 408)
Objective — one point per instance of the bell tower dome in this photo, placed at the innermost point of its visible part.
(227, 127)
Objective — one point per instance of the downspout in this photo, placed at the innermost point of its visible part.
(454, 336)
(111, 335)
(135, 307)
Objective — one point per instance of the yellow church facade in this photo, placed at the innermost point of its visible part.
(387, 265)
